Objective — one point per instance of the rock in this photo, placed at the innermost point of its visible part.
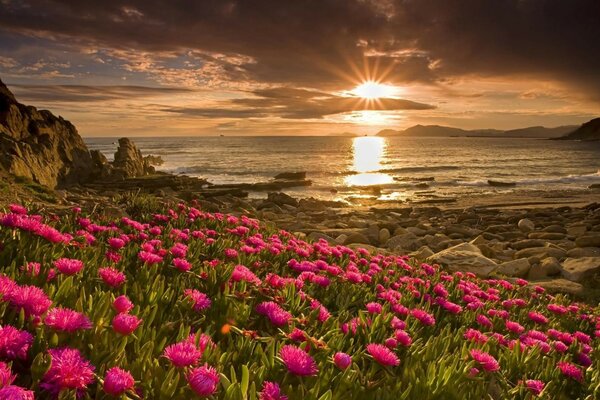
(129, 162)
(560, 286)
(341, 239)
(384, 235)
(526, 225)
(555, 229)
(594, 186)
(589, 240)
(516, 268)
(464, 257)
(422, 254)
(40, 146)
(527, 244)
(315, 236)
(371, 249)
(577, 230)
(584, 252)
(541, 252)
(549, 266)
(546, 235)
(311, 205)
(407, 241)
(579, 269)
(479, 240)
(291, 176)
(280, 199)
(356, 238)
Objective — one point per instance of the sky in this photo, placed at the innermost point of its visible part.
(291, 67)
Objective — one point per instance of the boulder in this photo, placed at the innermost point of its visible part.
(547, 267)
(291, 176)
(464, 257)
(315, 236)
(541, 252)
(515, 268)
(579, 269)
(554, 286)
(584, 252)
(356, 238)
(526, 225)
(589, 240)
(129, 162)
(384, 235)
(280, 199)
(422, 254)
(407, 241)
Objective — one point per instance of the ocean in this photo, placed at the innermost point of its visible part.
(392, 168)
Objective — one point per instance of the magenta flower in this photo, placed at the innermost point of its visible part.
(570, 370)
(342, 360)
(116, 243)
(297, 361)
(182, 264)
(125, 324)
(271, 391)
(149, 258)
(66, 320)
(6, 375)
(383, 355)
(14, 343)
(535, 386)
(68, 370)
(242, 273)
(11, 392)
(277, 315)
(122, 304)
(183, 354)
(514, 327)
(112, 276)
(231, 253)
(17, 209)
(424, 317)
(31, 299)
(179, 250)
(485, 360)
(403, 337)
(200, 301)
(374, 308)
(68, 266)
(118, 381)
(203, 380)
(537, 317)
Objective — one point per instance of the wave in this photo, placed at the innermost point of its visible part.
(420, 169)
(584, 178)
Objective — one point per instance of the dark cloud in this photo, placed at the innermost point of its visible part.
(331, 43)
(82, 93)
(294, 103)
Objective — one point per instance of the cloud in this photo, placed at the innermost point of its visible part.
(82, 93)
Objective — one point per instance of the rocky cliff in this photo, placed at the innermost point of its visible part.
(47, 149)
(588, 131)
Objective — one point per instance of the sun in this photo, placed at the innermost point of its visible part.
(373, 90)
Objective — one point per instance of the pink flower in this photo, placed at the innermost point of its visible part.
(117, 381)
(271, 391)
(297, 361)
(277, 315)
(31, 299)
(534, 386)
(383, 355)
(424, 317)
(403, 337)
(231, 253)
(537, 317)
(11, 392)
(17, 209)
(66, 320)
(342, 360)
(14, 343)
(68, 370)
(374, 308)
(149, 258)
(122, 304)
(570, 370)
(242, 273)
(116, 243)
(487, 362)
(125, 324)
(203, 380)
(182, 264)
(200, 301)
(514, 327)
(6, 375)
(179, 250)
(475, 336)
(68, 266)
(183, 354)
(112, 276)
(483, 321)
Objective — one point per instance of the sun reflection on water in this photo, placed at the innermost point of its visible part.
(368, 152)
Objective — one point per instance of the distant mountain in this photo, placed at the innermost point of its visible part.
(446, 131)
(588, 131)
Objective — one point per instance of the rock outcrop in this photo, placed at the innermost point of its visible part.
(47, 149)
(40, 146)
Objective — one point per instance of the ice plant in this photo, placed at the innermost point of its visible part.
(383, 355)
(68, 370)
(199, 300)
(31, 299)
(570, 370)
(125, 324)
(183, 354)
(66, 320)
(534, 386)
(68, 266)
(203, 380)
(297, 361)
(6, 375)
(342, 360)
(118, 381)
(122, 304)
(112, 276)
(485, 360)
(277, 315)
(271, 391)
(14, 343)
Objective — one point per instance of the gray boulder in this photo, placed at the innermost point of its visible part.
(464, 257)
(579, 269)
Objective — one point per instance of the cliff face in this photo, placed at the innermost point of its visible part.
(38, 145)
(588, 131)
